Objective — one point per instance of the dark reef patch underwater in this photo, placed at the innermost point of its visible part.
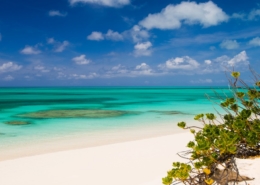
(17, 122)
(74, 113)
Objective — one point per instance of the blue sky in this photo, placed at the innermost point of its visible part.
(127, 42)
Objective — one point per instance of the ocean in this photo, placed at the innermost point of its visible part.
(35, 115)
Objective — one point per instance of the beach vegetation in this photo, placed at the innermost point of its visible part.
(222, 138)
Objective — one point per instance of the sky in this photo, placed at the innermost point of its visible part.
(127, 42)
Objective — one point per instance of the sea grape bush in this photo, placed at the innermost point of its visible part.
(216, 145)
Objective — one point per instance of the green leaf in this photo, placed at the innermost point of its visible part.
(210, 116)
(234, 107)
(181, 124)
(167, 180)
(192, 131)
(198, 116)
(245, 113)
(191, 144)
(240, 94)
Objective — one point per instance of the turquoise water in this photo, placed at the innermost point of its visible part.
(145, 107)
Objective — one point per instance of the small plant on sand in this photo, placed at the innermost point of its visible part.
(213, 152)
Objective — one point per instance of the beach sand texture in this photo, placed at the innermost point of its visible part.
(141, 162)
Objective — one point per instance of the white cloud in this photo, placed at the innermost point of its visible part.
(241, 58)
(142, 66)
(254, 14)
(58, 46)
(142, 49)
(184, 63)
(229, 44)
(9, 66)
(95, 36)
(41, 68)
(110, 3)
(51, 41)
(202, 81)
(53, 13)
(255, 41)
(142, 69)
(111, 35)
(138, 34)
(8, 78)
(78, 76)
(119, 69)
(208, 62)
(115, 68)
(81, 60)
(224, 63)
(207, 14)
(29, 50)
(139, 70)
(238, 16)
(143, 46)
(62, 46)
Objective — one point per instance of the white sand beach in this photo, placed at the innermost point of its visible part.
(141, 162)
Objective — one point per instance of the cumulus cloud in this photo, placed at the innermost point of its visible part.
(208, 62)
(95, 35)
(229, 44)
(143, 69)
(222, 63)
(62, 46)
(202, 81)
(109, 3)
(206, 14)
(9, 66)
(119, 69)
(137, 34)
(143, 49)
(29, 50)
(51, 41)
(139, 70)
(53, 13)
(41, 69)
(81, 60)
(8, 78)
(80, 76)
(255, 41)
(58, 46)
(142, 66)
(111, 35)
(241, 16)
(183, 63)
(254, 14)
(241, 58)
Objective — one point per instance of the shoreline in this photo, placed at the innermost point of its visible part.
(88, 140)
(139, 162)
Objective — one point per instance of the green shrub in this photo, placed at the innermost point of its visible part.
(216, 145)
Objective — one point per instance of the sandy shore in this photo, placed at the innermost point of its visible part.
(141, 162)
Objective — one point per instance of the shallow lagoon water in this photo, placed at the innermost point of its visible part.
(131, 108)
